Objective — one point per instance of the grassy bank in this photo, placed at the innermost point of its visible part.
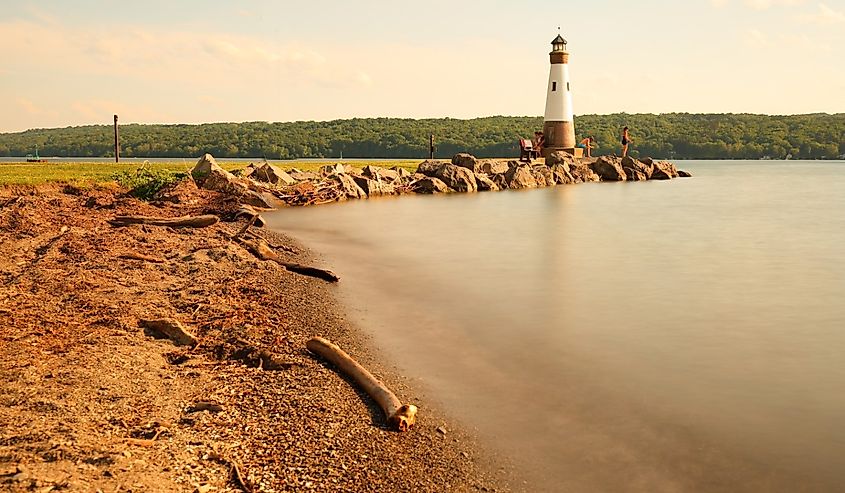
(23, 173)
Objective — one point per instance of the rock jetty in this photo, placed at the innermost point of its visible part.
(266, 185)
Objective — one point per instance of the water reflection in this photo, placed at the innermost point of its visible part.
(667, 336)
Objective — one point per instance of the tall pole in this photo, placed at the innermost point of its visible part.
(116, 142)
(431, 146)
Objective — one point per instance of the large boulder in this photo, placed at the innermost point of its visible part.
(484, 183)
(664, 170)
(582, 173)
(455, 177)
(467, 161)
(347, 183)
(561, 175)
(271, 174)
(429, 184)
(634, 168)
(428, 168)
(560, 157)
(494, 167)
(543, 175)
(500, 180)
(209, 175)
(374, 186)
(377, 173)
(519, 177)
(332, 169)
(401, 172)
(609, 168)
(633, 174)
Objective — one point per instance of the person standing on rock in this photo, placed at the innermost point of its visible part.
(626, 139)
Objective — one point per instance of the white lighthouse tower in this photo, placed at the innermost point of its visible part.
(558, 122)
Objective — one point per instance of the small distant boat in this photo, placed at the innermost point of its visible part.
(35, 159)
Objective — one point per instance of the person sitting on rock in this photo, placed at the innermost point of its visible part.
(539, 140)
(587, 145)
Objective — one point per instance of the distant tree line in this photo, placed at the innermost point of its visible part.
(673, 135)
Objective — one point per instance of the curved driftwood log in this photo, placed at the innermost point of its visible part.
(399, 416)
(263, 251)
(174, 222)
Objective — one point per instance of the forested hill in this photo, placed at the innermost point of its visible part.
(674, 135)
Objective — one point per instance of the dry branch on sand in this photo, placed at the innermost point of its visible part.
(141, 256)
(171, 329)
(262, 250)
(400, 416)
(175, 222)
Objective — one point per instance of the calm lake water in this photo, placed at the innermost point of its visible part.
(686, 335)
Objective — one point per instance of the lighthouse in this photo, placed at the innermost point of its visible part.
(558, 123)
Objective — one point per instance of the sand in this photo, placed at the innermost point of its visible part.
(89, 401)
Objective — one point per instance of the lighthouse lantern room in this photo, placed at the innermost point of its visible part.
(559, 124)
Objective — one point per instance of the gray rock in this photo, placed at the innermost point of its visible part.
(494, 167)
(332, 169)
(428, 168)
(646, 168)
(500, 180)
(609, 168)
(467, 161)
(560, 157)
(209, 175)
(664, 170)
(349, 187)
(582, 173)
(543, 175)
(374, 186)
(455, 177)
(401, 172)
(561, 174)
(632, 174)
(484, 183)
(519, 177)
(429, 184)
(684, 174)
(271, 174)
(375, 172)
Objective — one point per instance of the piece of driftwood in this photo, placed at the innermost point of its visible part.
(171, 329)
(400, 416)
(249, 223)
(263, 251)
(205, 406)
(250, 212)
(142, 257)
(173, 222)
(239, 478)
(254, 235)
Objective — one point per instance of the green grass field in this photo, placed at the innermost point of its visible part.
(24, 173)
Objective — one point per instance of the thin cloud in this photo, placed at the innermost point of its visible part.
(767, 4)
(753, 38)
(824, 16)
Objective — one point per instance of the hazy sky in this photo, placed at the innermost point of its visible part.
(79, 62)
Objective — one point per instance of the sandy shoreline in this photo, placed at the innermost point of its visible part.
(89, 402)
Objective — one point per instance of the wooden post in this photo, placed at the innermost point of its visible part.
(116, 142)
(431, 146)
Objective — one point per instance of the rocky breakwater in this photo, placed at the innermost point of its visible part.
(265, 185)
